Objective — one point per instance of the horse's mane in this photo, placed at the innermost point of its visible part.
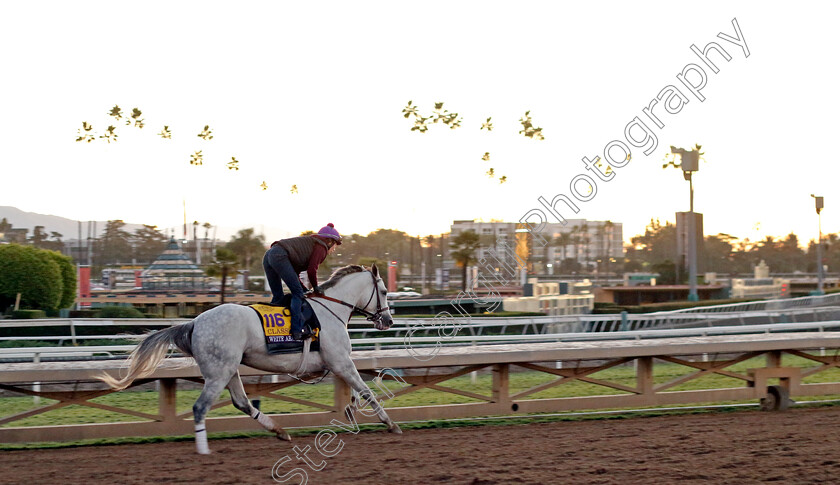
(340, 273)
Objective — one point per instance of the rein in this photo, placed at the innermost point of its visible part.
(373, 317)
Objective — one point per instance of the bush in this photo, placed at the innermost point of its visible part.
(68, 278)
(679, 305)
(31, 272)
(120, 312)
(84, 313)
(22, 314)
(607, 309)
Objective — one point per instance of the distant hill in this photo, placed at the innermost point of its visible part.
(68, 228)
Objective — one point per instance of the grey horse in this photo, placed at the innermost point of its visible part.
(223, 337)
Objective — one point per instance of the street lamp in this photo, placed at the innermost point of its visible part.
(818, 204)
(689, 163)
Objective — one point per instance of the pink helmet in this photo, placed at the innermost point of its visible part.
(329, 231)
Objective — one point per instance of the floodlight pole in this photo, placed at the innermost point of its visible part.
(818, 203)
(692, 245)
(689, 162)
(691, 193)
(819, 256)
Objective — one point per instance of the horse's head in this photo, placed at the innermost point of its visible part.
(377, 304)
(365, 289)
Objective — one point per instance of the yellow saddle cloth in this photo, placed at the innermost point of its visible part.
(276, 323)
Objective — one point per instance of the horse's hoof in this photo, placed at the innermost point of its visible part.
(395, 428)
(203, 452)
(284, 436)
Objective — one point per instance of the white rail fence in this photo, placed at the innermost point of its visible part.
(823, 311)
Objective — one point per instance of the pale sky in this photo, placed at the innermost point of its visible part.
(311, 93)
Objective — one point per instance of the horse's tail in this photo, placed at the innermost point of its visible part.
(149, 354)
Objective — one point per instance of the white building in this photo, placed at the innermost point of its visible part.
(547, 299)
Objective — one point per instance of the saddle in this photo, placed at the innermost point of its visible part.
(276, 323)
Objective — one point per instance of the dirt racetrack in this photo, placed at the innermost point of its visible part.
(747, 447)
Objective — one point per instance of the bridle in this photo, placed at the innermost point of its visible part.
(375, 317)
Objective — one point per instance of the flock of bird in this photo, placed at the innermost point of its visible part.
(86, 133)
(443, 116)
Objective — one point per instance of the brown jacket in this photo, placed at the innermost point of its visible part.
(304, 254)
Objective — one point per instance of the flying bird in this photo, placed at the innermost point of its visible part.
(206, 134)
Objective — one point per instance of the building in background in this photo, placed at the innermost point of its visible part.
(578, 246)
(174, 270)
(553, 298)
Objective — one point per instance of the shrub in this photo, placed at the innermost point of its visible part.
(31, 272)
(21, 314)
(679, 305)
(84, 313)
(68, 278)
(120, 312)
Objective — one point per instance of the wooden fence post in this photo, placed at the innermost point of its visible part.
(167, 399)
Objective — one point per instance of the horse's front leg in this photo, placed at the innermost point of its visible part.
(347, 371)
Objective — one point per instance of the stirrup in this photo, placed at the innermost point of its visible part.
(302, 334)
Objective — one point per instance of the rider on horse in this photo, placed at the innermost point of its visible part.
(287, 258)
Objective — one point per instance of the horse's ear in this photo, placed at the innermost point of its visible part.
(374, 270)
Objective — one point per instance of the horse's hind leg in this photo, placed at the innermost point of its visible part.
(213, 387)
(242, 403)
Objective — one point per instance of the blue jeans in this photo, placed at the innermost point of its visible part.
(278, 267)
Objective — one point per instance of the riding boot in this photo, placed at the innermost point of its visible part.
(299, 331)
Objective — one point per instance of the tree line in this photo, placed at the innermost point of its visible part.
(725, 254)
(653, 251)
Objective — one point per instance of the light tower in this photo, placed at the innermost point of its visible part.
(690, 163)
(818, 204)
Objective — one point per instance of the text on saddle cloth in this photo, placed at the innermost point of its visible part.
(277, 323)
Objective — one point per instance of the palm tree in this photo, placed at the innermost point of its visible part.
(584, 233)
(608, 231)
(224, 264)
(563, 241)
(464, 245)
(600, 235)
